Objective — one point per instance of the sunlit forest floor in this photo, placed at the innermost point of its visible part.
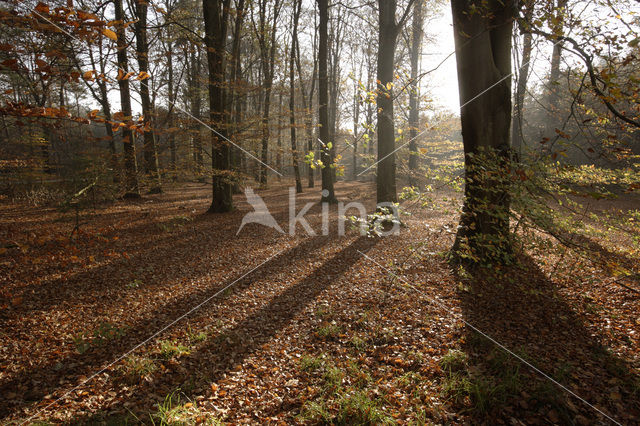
(318, 333)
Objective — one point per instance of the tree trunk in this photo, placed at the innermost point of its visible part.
(216, 14)
(308, 106)
(267, 55)
(517, 137)
(172, 138)
(128, 143)
(386, 173)
(356, 123)
(328, 194)
(279, 151)
(483, 55)
(553, 93)
(236, 70)
(142, 50)
(292, 95)
(414, 93)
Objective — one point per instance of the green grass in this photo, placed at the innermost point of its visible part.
(357, 408)
(454, 360)
(135, 368)
(329, 331)
(310, 363)
(174, 412)
(172, 349)
(332, 379)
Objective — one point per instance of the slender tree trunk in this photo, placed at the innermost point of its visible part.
(356, 124)
(268, 51)
(483, 54)
(553, 96)
(328, 194)
(386, 173)
(142, 50)
(292, 95)
(236, 104)
(414, 93)
(215, 24)
(517, 137)
(308, 106)
(108, 127)
(279, 151)
(128, 142)
(173, 166)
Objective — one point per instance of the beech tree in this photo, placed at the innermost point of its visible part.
(482, 32)
(388, 31)
(216, 16)
(328, 194)
(142, 52)
(128, 142)
(292, 94)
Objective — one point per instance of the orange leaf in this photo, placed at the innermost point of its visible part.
(88, 75)
(143, 75)
(109, 34)
(42, 8)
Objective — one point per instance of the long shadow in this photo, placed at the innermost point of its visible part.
(154, 248)
(604, 256)
(523, 310)
(221, 353)
(36, 382)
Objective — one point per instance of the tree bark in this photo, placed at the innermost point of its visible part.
(328, 194)
(267, 42)
(216, 15)
(128, 142)
(517, 137)
(142, 50)
(414, 92)
(553, 93)
(386, 170)
(292, 95)
(483, 55)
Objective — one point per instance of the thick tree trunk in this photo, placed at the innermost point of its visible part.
(328, 194)
(128, 143)
(483, 54)
(149, 147)
(292, 95)
(215, 24)
(414, 93)
(386, 173)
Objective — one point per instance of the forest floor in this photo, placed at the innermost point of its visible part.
(311, 329)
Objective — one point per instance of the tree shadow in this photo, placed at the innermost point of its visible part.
(35, 383)
(223, 351)
(522, 309)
